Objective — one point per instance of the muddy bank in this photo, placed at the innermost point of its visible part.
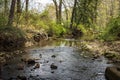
(110, 50)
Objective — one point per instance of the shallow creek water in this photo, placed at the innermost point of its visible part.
(71, 63)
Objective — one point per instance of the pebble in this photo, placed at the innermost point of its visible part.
(22, 77)
(20, 67)
(40, 55)
(37, 65)
(53, 56)
(53, 66)
(52, 72)
(31, 61)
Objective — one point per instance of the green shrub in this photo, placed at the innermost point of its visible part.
(112, 31)
(56, 30)
(82, 28)
(12, 30)
(11, 38)
(3, 20)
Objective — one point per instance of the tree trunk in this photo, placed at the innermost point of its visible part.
(73, 14)
(56, 8)
(19, 11)
(19, 6)
(26, 9)
(11, 14)
(60, 11)
(27, 3)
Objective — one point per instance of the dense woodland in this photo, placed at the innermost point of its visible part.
(98, 19)
(94, 23)
(21, 22)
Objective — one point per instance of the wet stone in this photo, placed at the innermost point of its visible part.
(52, 71)
(118, 68)
(112, 73)
(60, 61)
(53, 56)
(36, 77)
(0, 71)
(31, 61)
(40, 55)
(31, 76)
(20, 66)
(6, 64)
(22, 77)
(109, 62)
(47, 61)
(53, 66)
(11, 78)
(37, 65)
(32, 69)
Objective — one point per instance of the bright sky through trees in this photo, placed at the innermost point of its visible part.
(39, 4)
(44, 1)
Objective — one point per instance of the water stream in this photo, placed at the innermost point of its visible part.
(71, 63)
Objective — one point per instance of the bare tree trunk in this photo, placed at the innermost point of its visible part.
(19, 6)
(11, 14)
(73, 14)
(26, 9)
(60, 11)
(19, 11)
(27, 3)
(56, 8)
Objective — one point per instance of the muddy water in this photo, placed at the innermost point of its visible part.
(71, 63)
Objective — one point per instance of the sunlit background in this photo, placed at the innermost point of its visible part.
(39, 5)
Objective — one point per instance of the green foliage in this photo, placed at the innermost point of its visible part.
(44, 16)
(41, 24)
(112, 30)
(82, 28)
(11, 38)
(40, 21)
(85, 12)
(3, 20)
(9, 30)
(56, 30)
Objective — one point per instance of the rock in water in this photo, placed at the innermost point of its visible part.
(40, 55)
(52, 72)
(53, 66)
(22, 77)
(53, 56)
(20, 67)
(0, 71)
(31, 61)
(37, 66)
(112, 73)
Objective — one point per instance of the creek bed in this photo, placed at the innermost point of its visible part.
(65, 55)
